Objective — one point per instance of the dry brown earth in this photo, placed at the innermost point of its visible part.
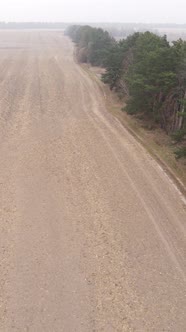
(92, 229)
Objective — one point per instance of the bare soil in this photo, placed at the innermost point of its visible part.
(92, 229)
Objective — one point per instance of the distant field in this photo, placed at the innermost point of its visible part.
(117, 30)
(122, 30)
(173, 33)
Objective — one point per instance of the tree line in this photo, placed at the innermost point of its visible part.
(147, 69)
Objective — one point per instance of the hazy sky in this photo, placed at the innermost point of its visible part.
(160, 11)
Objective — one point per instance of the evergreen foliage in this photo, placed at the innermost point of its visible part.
(146, 68)
(93, 43)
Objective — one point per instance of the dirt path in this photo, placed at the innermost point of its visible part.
(92, 229)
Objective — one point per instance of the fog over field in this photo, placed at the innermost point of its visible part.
(94, 11)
